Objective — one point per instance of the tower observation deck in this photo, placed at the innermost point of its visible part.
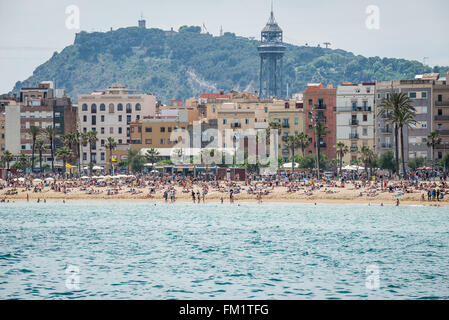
(271, 52)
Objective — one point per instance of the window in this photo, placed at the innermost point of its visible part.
(138, 107)
(128, 108)
(424, 95)
(310, 102)
(148, 129)
(102, 142)
(120, 118)
(138, 117)
(213, 110)
(148, 141)
(120, 107)
(120, 130)
(169, 129)
(84, 118)
(102, 118)
(246, 121)
(102, 130)
(111, 130)
(440, 112)
(224, 121)
(365, 117)
(102, 107)
(412, 95)
(365, 131)
(162, 129)
(120, 141)
(84, 156)
(93, 108)
(111, 108)
(102, 156)
(162, 141)
(94, 120)
(84, 107)
(139, 129)
(132, 129)
(296, 121)
(128, 119)
(440, 98)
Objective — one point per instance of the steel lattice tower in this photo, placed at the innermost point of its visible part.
(271, 52)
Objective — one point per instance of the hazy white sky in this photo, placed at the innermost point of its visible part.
(30, 31)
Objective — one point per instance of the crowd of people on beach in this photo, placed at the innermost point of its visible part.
(169, 187)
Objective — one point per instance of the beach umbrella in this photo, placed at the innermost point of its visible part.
(85, 177)
(101, 177)
(85, 168)
(49, 179)
(120, 176)
(36, 180)
(97, 168)
(289, 165)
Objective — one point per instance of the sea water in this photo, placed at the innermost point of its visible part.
(126, 250)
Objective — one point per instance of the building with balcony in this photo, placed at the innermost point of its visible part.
(441, 115)
(320, 104)
(355, 117)
(110, 113)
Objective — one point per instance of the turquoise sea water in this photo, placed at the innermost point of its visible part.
(222, 251)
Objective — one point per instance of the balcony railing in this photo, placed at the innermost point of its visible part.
(321, 119)
(443, 132)
(320, 107)
(236, 125)
(385, 145)
(353, 122)
(353, 136)
(439, 118)
(442, 103)
(386, 130)
(285, 125)
(323, 145)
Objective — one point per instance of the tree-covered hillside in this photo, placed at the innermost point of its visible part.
(179, 65)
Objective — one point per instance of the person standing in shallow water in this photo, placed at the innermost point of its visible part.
(397, 202)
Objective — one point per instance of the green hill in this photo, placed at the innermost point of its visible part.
(179, 65)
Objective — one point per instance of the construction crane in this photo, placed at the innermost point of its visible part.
(327, 44)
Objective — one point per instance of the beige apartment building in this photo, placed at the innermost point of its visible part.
(441, 115)
(356, 117)
(110, 113)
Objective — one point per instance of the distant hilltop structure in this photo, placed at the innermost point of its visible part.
(142, 23)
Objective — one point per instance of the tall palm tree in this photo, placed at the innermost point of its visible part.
(92, 139)
(40, 147)
(293, 143)
(342, 149)
(50, 134)
(400, 112)
(367, 156)
(34, 131)
(303, 142)
(64, 154)
(151, 155)
(84, 139)
(76, 141)
(110, 145)
(433, 140)
(320, 132)
(23, 160)
(132, 155)
(274, 125)
(7, 158)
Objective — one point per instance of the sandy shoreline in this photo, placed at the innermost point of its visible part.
(341, 196)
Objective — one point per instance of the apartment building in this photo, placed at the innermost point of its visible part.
(441, 115)
(355, 117)
(110, 113)
(420, 91)
(42, 106)
(320, 104)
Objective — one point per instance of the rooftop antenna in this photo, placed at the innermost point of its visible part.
(221, 31)
(327, 44)
(424, 63)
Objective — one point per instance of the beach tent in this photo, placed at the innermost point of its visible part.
(289, 165)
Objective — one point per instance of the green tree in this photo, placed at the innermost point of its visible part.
(303, 142)
(368, 157)
(342, 149)
(64, 154)
(433, 140)
(92, 140)
(110, 145)
(34, 131)
(386, 161)
(40, 147)
(416, 163)
(50, 134)
(292, 143)
(399, 112)
(7, 158)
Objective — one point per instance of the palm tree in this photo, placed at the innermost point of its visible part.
(367, 156)
(432, 140)
(64, 154)
(132, 154)
(76, 140)
(342, 149)
(400, 112)
(152, 155)
(23, 160)
(84, 139)
(111, 145)
(50, 134)
(91, 139)
(274, 125)
(303, 142)
(320, 132)
(40, 147)
(34, 131)
(293, 143)
(7, 158)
